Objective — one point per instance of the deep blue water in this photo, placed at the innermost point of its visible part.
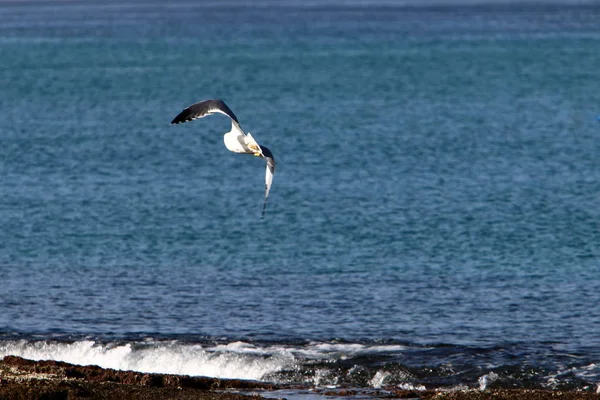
(435, 204)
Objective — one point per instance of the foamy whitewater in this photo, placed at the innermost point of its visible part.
(235, 360)
(312, 364)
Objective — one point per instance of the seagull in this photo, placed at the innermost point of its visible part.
(235, 140)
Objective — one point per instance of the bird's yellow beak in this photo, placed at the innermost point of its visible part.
(257, 154)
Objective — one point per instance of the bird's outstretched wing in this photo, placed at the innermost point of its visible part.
(270, 171)
(204, 108)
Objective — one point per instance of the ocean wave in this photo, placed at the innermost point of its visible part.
(232, 361)
(319, 364)
(325, 364)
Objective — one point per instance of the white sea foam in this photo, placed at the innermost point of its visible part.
(590, 373)
(236, 360)
(379, 378)
(486, 379)
(323, 377)
(354, 348)
(410, 386)
(320, 350)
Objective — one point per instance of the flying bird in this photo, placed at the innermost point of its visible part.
(236, 140)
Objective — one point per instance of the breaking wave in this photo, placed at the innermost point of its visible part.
(319, 364)
(235, 360)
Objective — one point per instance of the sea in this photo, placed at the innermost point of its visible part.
(434, 219)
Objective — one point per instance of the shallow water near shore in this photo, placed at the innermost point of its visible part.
(433, 220)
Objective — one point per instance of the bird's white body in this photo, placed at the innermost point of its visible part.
(238, 142)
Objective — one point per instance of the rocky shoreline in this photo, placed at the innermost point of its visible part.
(22, 379)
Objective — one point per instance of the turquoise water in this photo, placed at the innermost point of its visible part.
(434, 209)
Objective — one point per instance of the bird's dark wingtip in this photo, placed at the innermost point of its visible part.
(266, 152)
(264, 209)
(180, 119)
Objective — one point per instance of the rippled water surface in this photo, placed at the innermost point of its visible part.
(434, 215)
